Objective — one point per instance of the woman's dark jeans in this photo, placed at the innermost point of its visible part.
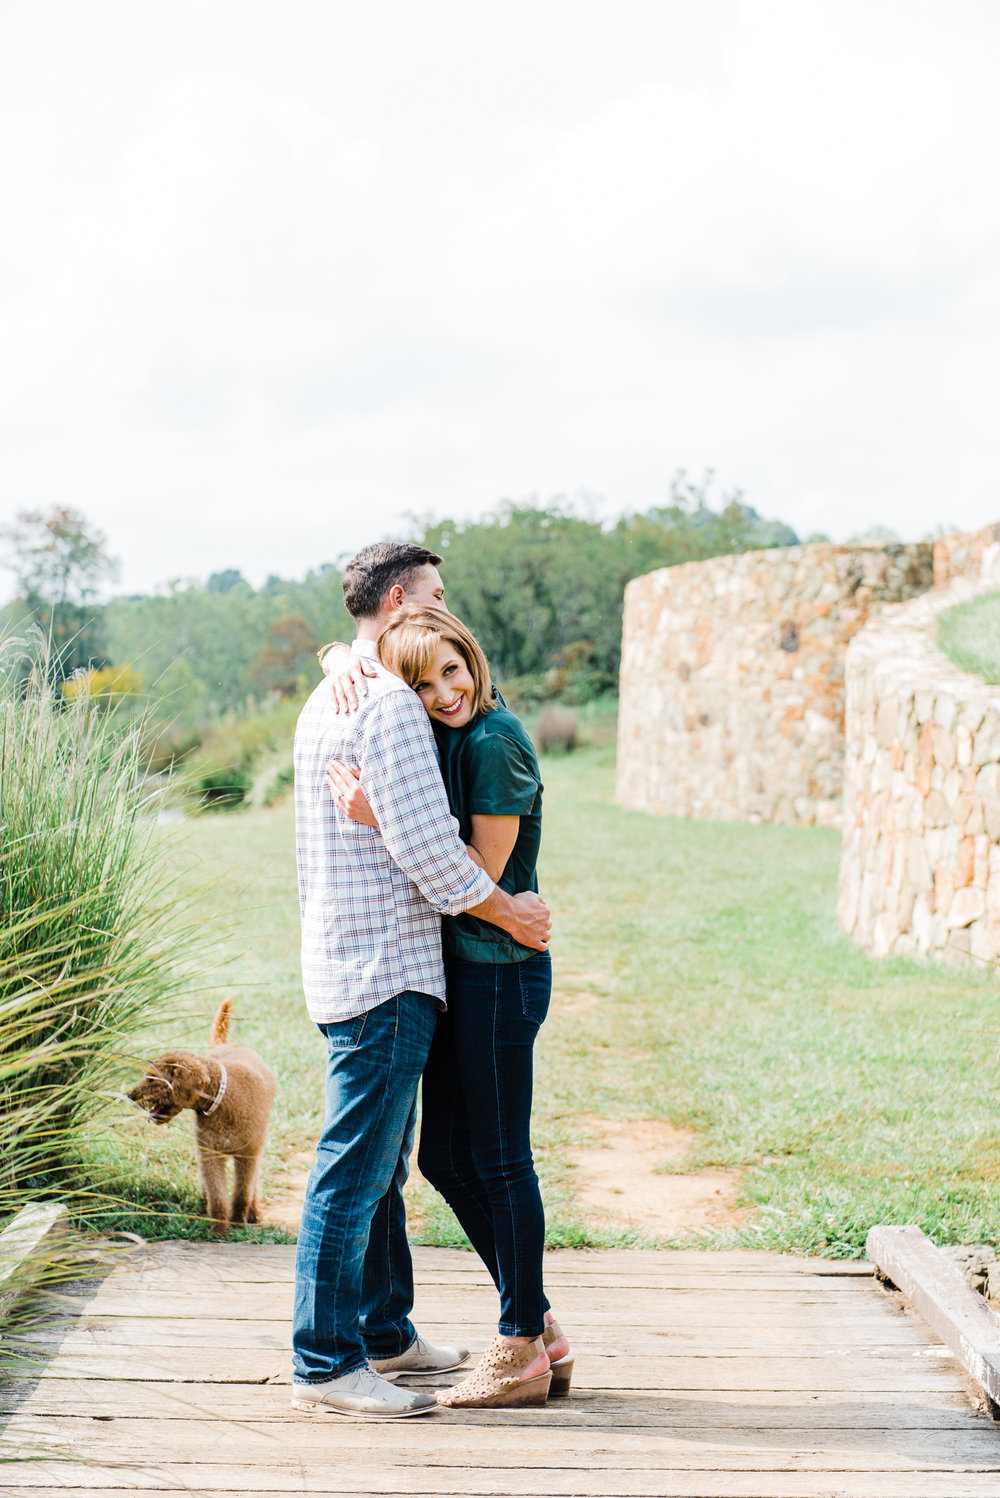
(475, 1139)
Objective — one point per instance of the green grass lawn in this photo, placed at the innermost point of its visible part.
(702, 980)
(970, 635)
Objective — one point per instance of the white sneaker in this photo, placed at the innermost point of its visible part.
(361, 1394)
(421, 1357)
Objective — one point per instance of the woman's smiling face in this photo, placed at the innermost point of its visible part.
(446, 688)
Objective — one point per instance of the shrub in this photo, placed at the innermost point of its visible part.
(221, 771)
(86, 924)
(104, 687)
(556, 728)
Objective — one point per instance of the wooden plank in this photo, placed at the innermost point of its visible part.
(818, 1339)
(823, 1335)
(167, 1279)
(715, 1408)
(706, 1484)
(444, 1441)
(26, 1248)
(863, 1371)
(566, 1481)
(602, 1260)
(939, 1291)
(632, 1314)
(447, 1302)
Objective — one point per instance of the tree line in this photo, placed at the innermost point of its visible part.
(540, 583)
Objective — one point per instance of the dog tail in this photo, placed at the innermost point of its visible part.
(220, 1024)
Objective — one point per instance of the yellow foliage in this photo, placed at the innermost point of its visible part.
(107, 683)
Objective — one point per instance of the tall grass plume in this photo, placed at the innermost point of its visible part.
(90, 930)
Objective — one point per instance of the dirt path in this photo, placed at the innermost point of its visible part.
(633, 1177)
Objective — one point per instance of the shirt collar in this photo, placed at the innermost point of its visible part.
(367, 648)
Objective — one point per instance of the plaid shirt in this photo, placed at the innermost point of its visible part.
(372, 899)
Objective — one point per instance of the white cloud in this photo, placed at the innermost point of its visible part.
(251, 314)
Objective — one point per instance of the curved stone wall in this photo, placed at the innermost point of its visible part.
(732, 684)
(968, 554)
(920, 867)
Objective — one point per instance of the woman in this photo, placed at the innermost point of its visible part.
(475, 1145)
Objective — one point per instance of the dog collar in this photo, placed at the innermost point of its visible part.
(223, 1084)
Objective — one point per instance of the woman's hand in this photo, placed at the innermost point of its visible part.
(345, 788)
(347, 674)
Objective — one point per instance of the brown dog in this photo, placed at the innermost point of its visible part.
(231, 1091)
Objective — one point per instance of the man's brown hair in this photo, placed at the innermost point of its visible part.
(369, 576)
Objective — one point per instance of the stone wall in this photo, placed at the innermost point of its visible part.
(732, 684)
(969, 554)
(920, 867)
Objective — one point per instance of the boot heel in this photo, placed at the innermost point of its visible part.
(530, 1391)
(562, 1377)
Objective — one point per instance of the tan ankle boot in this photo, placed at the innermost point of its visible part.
(494, 1383)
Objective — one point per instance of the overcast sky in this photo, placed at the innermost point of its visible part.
(274, 274)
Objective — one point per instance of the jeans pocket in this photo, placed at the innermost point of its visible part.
(344, 1034)
(535, 981)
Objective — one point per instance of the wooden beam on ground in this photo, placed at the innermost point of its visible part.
(27, 1246)
(936, 1288)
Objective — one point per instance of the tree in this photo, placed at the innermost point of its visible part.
(57, 558)
(225, 582)
(59, 561)
(287, 652)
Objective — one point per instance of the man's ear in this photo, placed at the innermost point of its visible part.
(395, 596)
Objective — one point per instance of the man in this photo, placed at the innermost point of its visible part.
(371, 903)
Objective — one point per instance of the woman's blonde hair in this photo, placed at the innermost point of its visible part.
(407, 644)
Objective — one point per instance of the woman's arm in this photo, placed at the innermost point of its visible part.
(493, 838)
(492, 842)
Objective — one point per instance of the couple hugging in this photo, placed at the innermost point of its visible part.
(424, 953)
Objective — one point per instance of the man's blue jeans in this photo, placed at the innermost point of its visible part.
(353, 1276)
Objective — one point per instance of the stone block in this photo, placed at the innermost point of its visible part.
(936, 811)
(904, 906)
(925, 745)
(976, 821)
(981, 869)
(984, 945)
(923, 705)
(988, 787)
(966, 906)
(922, 923)
(944, 747)
(965, 862)
(945, 711)
(944, 890)
(917, 865)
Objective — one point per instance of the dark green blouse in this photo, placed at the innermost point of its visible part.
(490, 769)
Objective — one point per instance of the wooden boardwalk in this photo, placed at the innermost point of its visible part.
(698, 1374)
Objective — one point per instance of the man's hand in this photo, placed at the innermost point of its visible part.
(525, 917)
(345, 788)
(534, 921)
(347, 674)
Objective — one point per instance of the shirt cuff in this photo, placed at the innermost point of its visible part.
(478, 891)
